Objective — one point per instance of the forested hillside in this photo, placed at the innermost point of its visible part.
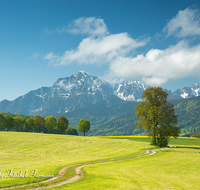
(188, 111)
(120, 119)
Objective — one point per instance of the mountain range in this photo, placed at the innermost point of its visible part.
(81, 90)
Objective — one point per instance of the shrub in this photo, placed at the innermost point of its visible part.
(71, 131)
(162, 141)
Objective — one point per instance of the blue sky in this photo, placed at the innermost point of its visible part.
(156, 42)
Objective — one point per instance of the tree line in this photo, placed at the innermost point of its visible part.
(37, 123)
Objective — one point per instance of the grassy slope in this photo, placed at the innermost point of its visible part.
(171, 169)
(48, 153)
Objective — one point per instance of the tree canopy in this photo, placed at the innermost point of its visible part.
(156, 115)
(84, 126)
(50, 123)
(62, 124)
(29, 124)
(18, 122)
(9, 122)
(2, 120)
(39, 122)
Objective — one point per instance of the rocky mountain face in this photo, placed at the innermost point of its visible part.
(81, 90)
(188, 92)
(66, 94)
(129, 90)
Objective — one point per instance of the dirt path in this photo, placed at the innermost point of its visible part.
(79, 173)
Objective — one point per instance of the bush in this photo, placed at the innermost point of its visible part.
(162, 141)
(71, 131)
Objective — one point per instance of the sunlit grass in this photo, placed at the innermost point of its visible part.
(176, 168)
(171, 169)
(48, 153)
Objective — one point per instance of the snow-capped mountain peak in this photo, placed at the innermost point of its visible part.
(188, 92)
(80, 83)
(80, 90)
(130, 90)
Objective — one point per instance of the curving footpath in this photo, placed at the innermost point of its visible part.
(79, 173)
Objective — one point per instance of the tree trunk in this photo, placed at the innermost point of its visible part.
(84, 133)
(154, 140)
(154, 133)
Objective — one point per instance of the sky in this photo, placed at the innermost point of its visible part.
(155, 42)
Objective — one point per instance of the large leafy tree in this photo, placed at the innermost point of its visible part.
(50, 123)
(29, 124)
(62, 124)
(84, 126)
(18, 122)
(39, 122)
(156, 115)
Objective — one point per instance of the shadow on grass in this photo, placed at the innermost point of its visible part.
(188, 147)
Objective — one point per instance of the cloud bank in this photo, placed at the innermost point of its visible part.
(99, 47)
(154, 68)
(158, 66)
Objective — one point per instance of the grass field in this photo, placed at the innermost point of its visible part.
(176, 168)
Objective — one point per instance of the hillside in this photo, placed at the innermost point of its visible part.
(119, 119)
(188, 111)
(98, 115)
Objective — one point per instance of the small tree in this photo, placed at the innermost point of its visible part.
(18, 122)
(154, 111)
(84, 126)
(50, 123)
(29, 124)
(62, 124)
(39, 122)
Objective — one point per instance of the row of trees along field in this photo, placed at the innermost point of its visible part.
(16, 122)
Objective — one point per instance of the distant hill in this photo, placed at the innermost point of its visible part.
(98, 115)
(119, 119)
(188, 111)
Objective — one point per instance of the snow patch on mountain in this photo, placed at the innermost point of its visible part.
(188, 92)
(130, 90)
(81, 90)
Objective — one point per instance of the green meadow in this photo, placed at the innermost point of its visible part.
(46, 154)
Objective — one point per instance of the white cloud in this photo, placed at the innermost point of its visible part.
(185, 23)
(155, 68)
(90, 25)
(100, 47)
(158, 66)
(98, 50)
